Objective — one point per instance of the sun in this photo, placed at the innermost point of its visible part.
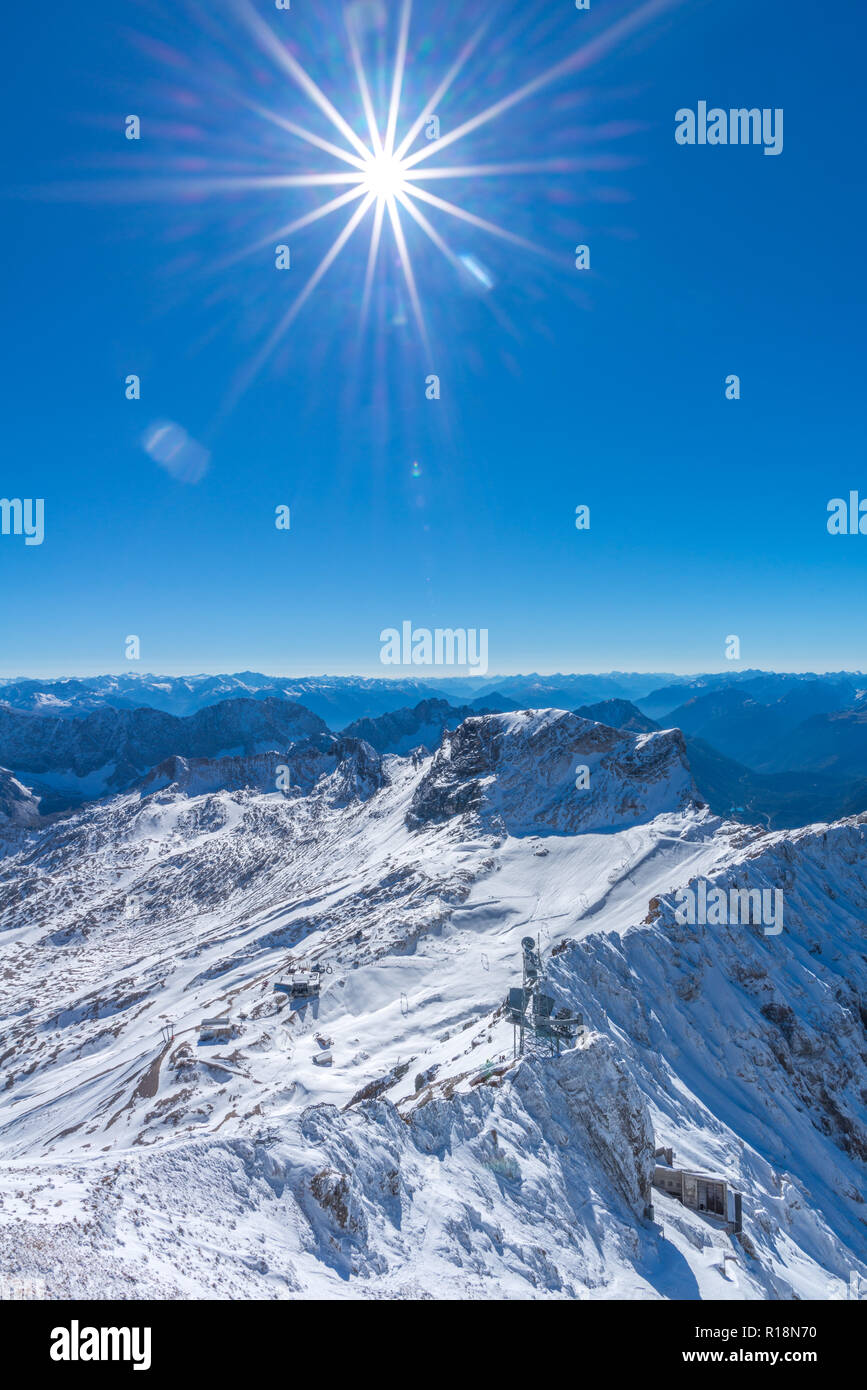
(384, 183)
(384, 176)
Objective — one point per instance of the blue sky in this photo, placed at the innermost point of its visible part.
(559, 387)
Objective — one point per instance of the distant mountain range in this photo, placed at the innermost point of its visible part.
(337, 699)
(780, 749)
(762, 729)
(764, 687)
(341, 699)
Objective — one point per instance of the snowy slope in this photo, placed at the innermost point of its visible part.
(423, 1160)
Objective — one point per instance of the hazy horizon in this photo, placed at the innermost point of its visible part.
(418, 673)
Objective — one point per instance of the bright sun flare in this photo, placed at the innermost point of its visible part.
(384, 176)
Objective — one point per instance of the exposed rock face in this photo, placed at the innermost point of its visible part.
(521, 768)
(18, 806)
(608, 1111)
(359, 773)
(114, 747)
(331, 1191)
(589, 1096)
(354, 768)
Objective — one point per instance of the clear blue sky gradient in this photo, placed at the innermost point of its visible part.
(708, 517)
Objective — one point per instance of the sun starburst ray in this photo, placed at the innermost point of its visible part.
(430, 231)
(143, 190)
(538, 166)
(373, 253)
(252, 371)
(291, 227)
(303, 134)
(267, 41)
(364, 88)
(583, 57)
(453, 72)
(481, 222)
(406, 264)
(397, 80)
(454, 260)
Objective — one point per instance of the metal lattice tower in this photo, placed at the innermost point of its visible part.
(536, 1027)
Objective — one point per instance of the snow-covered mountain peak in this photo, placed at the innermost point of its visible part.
(549, 770)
